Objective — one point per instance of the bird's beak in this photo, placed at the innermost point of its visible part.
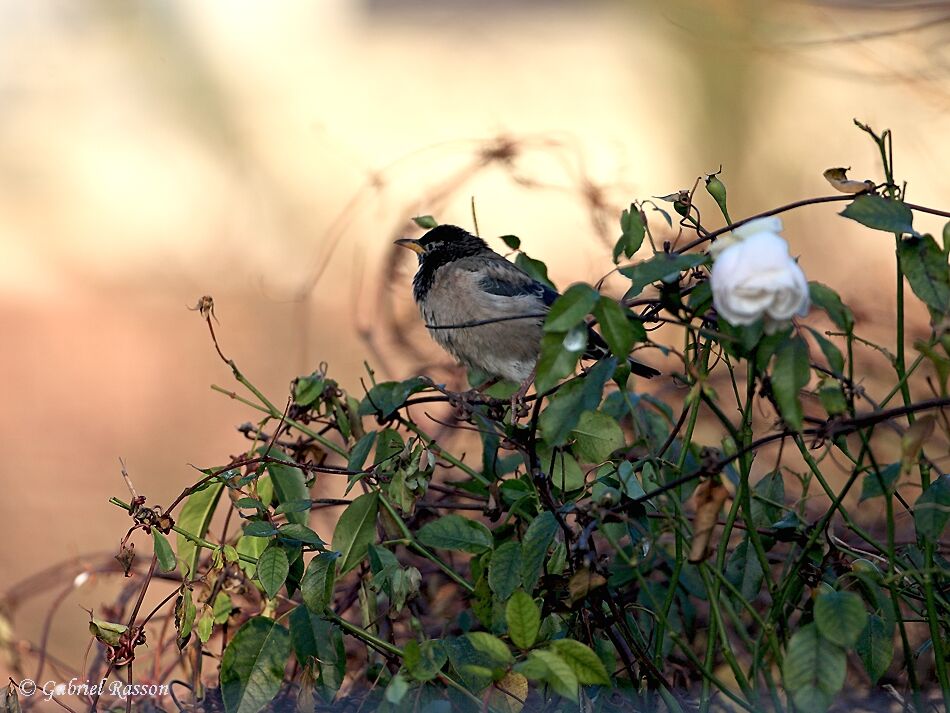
(411, 245)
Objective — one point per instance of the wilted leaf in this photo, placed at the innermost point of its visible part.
(708, 499)
(914, 438)
(838, 178)
(582, 583)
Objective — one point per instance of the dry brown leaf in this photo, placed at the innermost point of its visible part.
(583, 582)
(913, 440)
(509, 694)
(838, 178)
(708, 498)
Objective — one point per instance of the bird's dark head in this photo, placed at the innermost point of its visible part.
(442, 245)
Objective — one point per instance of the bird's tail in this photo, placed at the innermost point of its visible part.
(597, 349)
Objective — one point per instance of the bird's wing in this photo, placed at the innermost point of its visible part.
(504, 279)
(500, 277)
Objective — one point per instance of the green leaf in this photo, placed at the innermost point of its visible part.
(252, 667)
(832, 399)
(878, 483)
(195, 518)
(316, 587)
(831, 352)
(662, 266)
(932, 509)
(534, 548)
(840, 617)
(563, 471)
(386, 398)
(163, 551)
(789, 375)
(619, 332)
(556, 672)
(717, 189)
(259, 528)
(185, 612)
(880, 213)
(744, 570)
(814, 669)
(827, 299)
(355, 530)
(524, 620)
(565, 407)
(767, 498)
(361, 451)
(504, 570)
(308, 389)
(535, 268)
(586, 665)
(596, 436)
(320, 641)
(491, 646)
(250, 547)
(289, 485)
(875, 647)
(272, 569)
(300, 533)
(301, 505)
(570, 309)
(512, 241)
(559, 355)
(424, 661)
(222, 608)
(426, 222)
(454, 532)
(205, 625)
(926, 269)
(633, 229)
(627, 477)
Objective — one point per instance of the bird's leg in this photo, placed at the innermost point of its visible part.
(517, 398)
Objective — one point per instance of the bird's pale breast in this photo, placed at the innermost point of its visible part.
(508, 349)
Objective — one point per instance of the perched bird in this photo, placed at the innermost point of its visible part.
(461, 281)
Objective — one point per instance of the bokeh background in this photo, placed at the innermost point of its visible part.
(267, 154)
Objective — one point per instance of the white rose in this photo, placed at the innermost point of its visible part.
(753, 277)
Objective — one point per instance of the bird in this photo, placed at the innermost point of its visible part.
(484, 310)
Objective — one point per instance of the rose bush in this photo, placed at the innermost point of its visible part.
(754, 277)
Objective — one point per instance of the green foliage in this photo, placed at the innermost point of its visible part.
(355, 530)
(253, 665)
(606, 542)
(880, 213)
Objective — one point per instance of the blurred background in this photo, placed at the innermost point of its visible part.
(267, 154)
